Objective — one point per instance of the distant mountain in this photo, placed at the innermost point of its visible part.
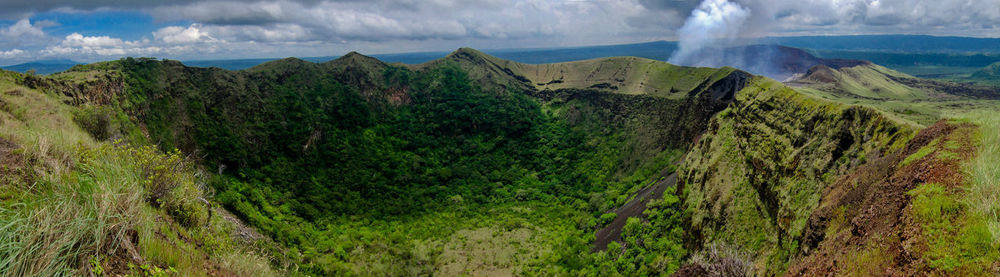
(43, 66)
(892, 43)
(888, 50)
(657, 50)
(777, 62)
(239, 64)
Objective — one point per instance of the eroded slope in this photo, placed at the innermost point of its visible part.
(754, 177)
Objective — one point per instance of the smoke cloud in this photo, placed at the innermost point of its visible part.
(714, 24)
(719, 33)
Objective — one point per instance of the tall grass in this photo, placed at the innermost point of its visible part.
(93, 200)
(44, 130)
(983, 171)
(84, 200)
(62, 217)
(72, 217)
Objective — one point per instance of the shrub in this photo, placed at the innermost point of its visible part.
(95, 120)
(168, 183)
(723, 260)
(607, 218)
(186, 205)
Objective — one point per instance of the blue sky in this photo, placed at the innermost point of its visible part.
(128, 25)
(92, 30)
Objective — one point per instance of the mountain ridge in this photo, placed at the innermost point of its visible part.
(476, 164)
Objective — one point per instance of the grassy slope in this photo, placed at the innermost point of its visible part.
(956, 215)
(948, 218)
(982, 193)
(864, 81)
(755, 176)
(989, 75)
(911, 218)
(79, 206)
(990, 72)
(627, 75)
(916, 101)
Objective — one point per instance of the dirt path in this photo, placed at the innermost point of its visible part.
(634, 208)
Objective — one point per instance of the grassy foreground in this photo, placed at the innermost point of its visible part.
(982, 193)
(70, 205)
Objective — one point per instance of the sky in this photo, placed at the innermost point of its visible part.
(93, 30)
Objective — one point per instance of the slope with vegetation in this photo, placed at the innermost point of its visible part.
(471, 164)
(73, 205)
(359, 167)
(917, 101)
(754, 177)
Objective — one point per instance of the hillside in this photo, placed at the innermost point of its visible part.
(989, 74)
(472, 164)
(71, 204)
(863, 81)
(915, 100)
(627, 75)
(357, 127)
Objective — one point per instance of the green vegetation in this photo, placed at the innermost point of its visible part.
(957, 242)
(866, 81)
(73, 203)
(983, 172)
(626, 75)
(900, 96)
(776, 168)
(921, 153)
(650, 247)
(475, 165)
(868, 260)
(954, 222)
(358, 167)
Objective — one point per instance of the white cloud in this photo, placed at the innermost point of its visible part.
(22, 29)
(941, 17)
(24, 34)
(419, 20)
(79, 45)
(178, 34)
(78, 40)
(282, 32)
(12, 54)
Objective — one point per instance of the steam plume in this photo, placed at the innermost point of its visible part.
(714, 24)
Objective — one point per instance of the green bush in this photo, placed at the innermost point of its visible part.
(186, 205)
(168, 183)
(95, 120)
(607, 218)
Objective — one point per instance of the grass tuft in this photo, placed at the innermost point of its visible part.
(983, 171)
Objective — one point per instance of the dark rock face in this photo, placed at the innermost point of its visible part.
(99, 90)
(725, 89)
